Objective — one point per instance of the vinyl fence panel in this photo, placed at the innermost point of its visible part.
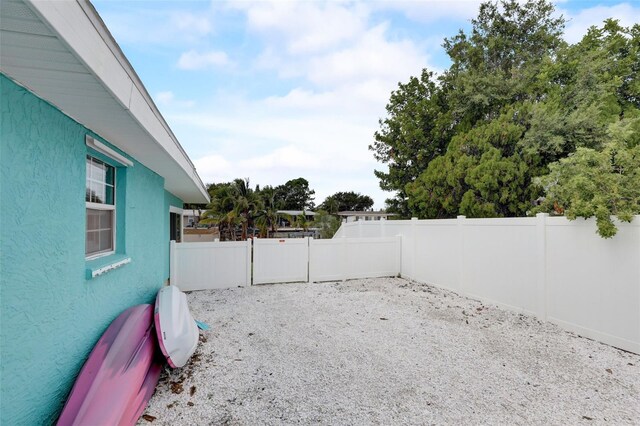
(328, 260)
(593, 284)
(205, 266)
(351, 258)
(498, 262)
(280, 260)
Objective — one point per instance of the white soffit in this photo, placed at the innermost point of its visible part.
(62, 51)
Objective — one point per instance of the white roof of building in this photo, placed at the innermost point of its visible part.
(297, 212)
(63, 52)
(371, 213)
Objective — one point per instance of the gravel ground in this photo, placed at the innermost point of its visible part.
(388, 351)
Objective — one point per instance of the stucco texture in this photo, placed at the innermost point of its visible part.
(51, 314)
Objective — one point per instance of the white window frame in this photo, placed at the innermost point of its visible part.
(180, 213)
(101, 206)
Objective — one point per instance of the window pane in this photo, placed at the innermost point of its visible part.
(105, 219)
(88, 168)
(91, 243)
(99, 234)
(109, 176)
(100, 182)
(93, 220)
(88, 189)
(98, 173)
(106, 240)
(108, 197)
(95, 193)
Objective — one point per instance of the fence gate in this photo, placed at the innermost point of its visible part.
(280, 260)
(204, 266)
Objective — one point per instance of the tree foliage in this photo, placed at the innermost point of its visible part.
(519, 116)
(346, 201)
(232, 205)
(267, 217)
(295, 194)
(326, 223)
(236, 207)
(411, 136)
(598, 184)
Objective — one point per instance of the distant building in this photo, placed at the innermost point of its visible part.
(191, 218)
(288, 228)
(285, 216)
(348, 216)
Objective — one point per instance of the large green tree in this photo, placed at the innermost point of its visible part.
(414, 133)
(295, 194)
(601, 87)
(518, 103)
(346, 201)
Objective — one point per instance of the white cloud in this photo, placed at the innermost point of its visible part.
(197, 24)
(193, 60)
(373, 56)
(288, 157)
(306, 27)
(579, 23)
(164, 98)
(213, 168)
(432, 10)
(144, 26)
(273, 140)
(167, 98)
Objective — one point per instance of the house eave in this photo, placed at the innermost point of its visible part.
(89, 78)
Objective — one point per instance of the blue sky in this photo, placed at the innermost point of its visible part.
(275, 90)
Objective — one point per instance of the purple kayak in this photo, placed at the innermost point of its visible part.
(120, 375)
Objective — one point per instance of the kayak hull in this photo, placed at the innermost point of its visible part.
(175, 327)
(120, 375)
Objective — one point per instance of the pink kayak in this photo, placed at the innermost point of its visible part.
(120, 375)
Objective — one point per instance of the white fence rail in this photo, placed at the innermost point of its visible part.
(280, 260)
(203, 266)
(558, 270)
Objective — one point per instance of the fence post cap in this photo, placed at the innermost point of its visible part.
(542, 215)
(414, 218)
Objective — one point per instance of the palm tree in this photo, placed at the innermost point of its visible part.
(247, 204)
(267, 217)
(221, 211)
(303, 222)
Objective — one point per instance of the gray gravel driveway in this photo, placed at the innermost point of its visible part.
(388, 351)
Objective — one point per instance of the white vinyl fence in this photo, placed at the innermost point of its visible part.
(556, 269)
(280, 260)
(350, 258)
(203, 266)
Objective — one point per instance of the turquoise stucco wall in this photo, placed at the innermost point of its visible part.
(51, 315)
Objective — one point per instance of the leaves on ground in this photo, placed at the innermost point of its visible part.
(176, 387)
